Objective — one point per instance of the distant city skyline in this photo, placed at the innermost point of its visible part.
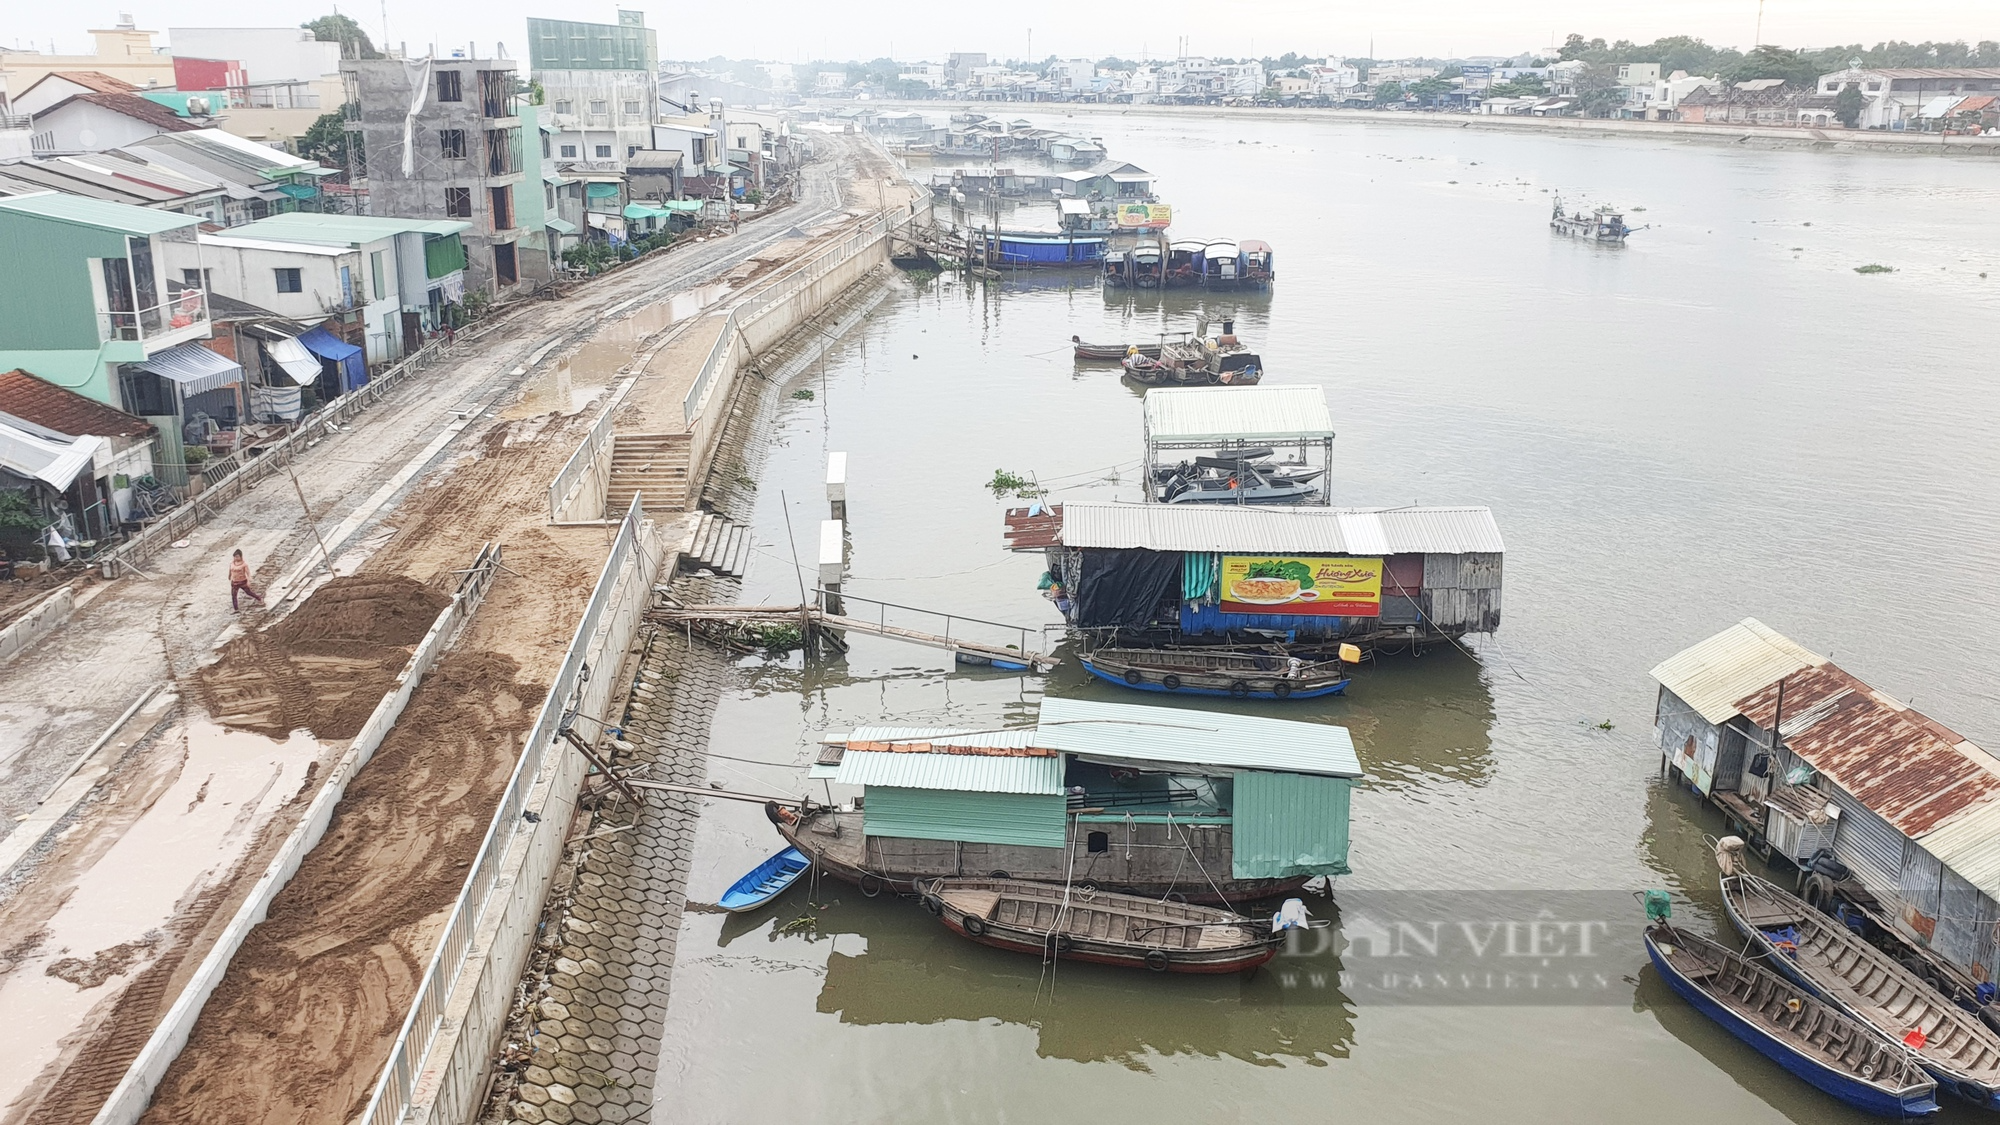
(792, 31)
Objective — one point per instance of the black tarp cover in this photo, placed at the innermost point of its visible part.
(1125, 587)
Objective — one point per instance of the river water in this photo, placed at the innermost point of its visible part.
(1721, 420)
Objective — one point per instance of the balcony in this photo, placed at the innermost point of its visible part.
(180, 318)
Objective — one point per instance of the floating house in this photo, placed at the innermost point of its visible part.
(1151, 800)
(1382, 577)
(1007, 248)
(1799, 756)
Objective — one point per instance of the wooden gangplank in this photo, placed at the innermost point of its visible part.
(793, 614)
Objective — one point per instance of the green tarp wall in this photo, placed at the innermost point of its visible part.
(975, 818)
(442, 255)
(1289, 824)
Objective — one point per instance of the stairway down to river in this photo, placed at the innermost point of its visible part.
(655, 465)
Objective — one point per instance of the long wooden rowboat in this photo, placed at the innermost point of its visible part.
(1100, 926)
(1112, 353)
(1241, 675)
(1874, 988)
(1812, 1039)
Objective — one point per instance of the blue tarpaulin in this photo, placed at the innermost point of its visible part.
(353, 366)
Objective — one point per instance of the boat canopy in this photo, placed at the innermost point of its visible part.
(1253, 247)
(1220, 248)
(1176, 415)
(1188, 245)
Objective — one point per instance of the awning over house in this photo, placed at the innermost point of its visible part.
(54, 463)
(353, 366)
(600, 191)
(194, 368)
(292, 358)
(560, 226)
(645, 211)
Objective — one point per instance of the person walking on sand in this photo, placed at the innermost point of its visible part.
(239, 580)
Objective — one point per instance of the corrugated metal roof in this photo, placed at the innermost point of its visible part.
(1739, 661)
(1969, 844)
(976, 773)
(1906, 767)
(194, 367)
(342, 230)
(1032, 528)
(1216, 414)
(1171, 735)
(99, 213)
(1301, 530)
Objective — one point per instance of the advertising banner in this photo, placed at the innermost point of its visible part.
(1145, 216)
(1311, 587)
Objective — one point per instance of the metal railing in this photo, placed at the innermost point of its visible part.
(184, 309)
(232, 475)
(394, 1090)
(882, 608)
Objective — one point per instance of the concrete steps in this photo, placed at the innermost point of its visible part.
(718, 545)
(655, 465)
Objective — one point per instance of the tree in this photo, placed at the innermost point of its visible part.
(1847, 105)
(1778, 62)
(1520, 86)
(1432, 88)
(345, 31)
(328, 140)
(1597, 90)
(1388, 92)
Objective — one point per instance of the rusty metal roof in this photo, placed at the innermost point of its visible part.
(1908, 768)
(1033, 528)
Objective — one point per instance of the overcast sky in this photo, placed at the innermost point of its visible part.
(798, 30)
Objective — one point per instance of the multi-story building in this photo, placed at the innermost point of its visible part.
(124, 52)
(443, 142)
(1892, 97)
(600, 87)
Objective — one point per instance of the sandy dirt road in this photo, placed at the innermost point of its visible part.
(349, 936)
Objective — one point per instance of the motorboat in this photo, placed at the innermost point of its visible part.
(1236, 482)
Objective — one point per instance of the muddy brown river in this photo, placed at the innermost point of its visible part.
(1722, 419)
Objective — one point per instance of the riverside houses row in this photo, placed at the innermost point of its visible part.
(1799, 755)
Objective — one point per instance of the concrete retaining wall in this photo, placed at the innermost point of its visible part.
(135, 1090)
(41, 619)
(447, 1088)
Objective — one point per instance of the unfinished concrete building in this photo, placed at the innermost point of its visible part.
(442, 137)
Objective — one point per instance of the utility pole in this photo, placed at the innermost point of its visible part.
(1760, 26)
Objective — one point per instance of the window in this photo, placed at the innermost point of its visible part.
(630, 150)
(603, 152)
(191, 279)
(564, 105)
(631, 109)
(569, 152)
(458, 202)
(545, 146)
(501, 202)
(379, 272)
(599, 107)
(503, 264)
(549, 195)
(451, 144)
(288, 281)
(449, 87)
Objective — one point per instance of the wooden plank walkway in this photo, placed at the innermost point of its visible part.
(793, 614)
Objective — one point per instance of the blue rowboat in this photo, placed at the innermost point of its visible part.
(1812, 1039)
(765, 881)
(1826, 958)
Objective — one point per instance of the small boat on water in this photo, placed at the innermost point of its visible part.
(1113, 269)
(1814, 1040)
(1820, 953)
(765, 881)
(1601, 225)
(1237, 673)
(1146, 265)
(1183, 265)
(1258, 268)
(1084, 924)
(1111, 353)
(1221, 265)
(1237, 482)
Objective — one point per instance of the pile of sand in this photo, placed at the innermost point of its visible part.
(324, 667)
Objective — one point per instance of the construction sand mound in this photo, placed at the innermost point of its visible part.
(325, 666)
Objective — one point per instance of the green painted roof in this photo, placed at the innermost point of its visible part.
(98, 213)
(343, 230)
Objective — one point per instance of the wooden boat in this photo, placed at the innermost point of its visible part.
(1259, 270)
(1869, 985)
(1814, 1040)
(1111, 353)
(1221, 671)
(1603, 225)
(1082, 924)
(1148, 263)
(765, 881)
(1113, 269)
